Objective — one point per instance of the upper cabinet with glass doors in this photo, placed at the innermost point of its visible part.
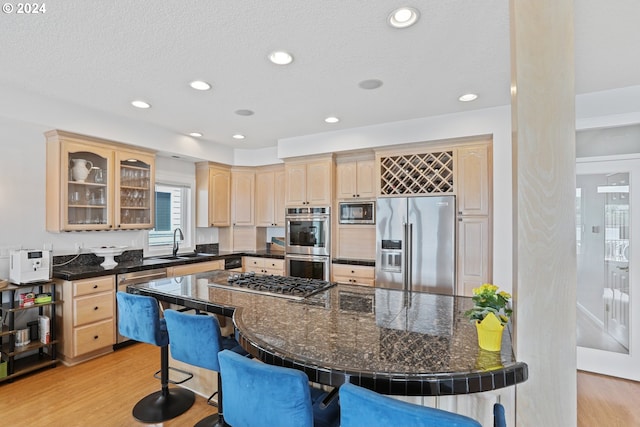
(135, 186)
(97, 185)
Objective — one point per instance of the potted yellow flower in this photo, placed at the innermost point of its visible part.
(490, 313)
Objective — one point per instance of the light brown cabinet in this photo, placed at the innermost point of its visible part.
(199, 267)
(473, 166)
(473, 188)
(309, 183)
(353, 274)
(356, 241)
(95, 184)
(260, 265)
(242, 197)
(355, 179)
(88, 318)
(213, 195)
(270, 197)
(474, 254)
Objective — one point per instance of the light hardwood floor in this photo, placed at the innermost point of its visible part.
(102, 392)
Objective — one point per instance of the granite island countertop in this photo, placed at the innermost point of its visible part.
(355, 334)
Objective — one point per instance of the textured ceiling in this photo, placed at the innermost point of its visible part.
(103, 54)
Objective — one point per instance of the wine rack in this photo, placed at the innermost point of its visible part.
(427, 173)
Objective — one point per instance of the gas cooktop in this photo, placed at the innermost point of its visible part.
(283, 286)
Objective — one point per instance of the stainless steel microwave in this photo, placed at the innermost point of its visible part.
(357, 212)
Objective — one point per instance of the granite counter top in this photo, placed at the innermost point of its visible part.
(85, 270)
(361, 335)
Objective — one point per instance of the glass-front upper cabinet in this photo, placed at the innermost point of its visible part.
(135, 182)
(88, 187)
(94, 184)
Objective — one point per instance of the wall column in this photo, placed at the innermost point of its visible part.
(543, 138)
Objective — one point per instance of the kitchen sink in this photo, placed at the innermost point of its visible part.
(182, 256)
(192, 255)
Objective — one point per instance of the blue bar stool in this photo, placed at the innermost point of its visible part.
(361, 407)
(139, 319)
(196, 339)
(258, 394)
(499, 418)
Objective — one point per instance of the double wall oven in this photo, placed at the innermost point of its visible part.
(308, 242)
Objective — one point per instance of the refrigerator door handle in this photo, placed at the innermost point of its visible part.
(409, 263)
(405, 228)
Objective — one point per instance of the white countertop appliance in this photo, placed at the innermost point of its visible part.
(29, 265)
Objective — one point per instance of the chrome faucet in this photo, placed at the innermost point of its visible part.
(176, 246)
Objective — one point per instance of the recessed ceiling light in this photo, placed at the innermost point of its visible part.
(280, 57)
(238, 136)
(140, 104)
(370, 84)
(403, 17)
(332, 119)
(468, 97)
(200, 85)
(195, 134)
(244, 112)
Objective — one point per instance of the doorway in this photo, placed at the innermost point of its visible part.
(606, 190)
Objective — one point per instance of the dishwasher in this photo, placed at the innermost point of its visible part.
(123, 280)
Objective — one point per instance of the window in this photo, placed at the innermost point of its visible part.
(172, 211)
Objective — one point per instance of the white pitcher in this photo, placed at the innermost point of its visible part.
(80, 169)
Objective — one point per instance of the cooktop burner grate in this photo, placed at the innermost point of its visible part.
(285, 286)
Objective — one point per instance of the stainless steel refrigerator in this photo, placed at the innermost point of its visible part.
(415, 244)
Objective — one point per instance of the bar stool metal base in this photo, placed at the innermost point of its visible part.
(212, 421)
(163, 405)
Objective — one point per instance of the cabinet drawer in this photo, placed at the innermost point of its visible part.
(93, 337)
(359, 271)
(94, 285)
(274, 264)
(273, 271)
(264, 265)
(251, 263)
(353, 280)
(354, 274)
(93, 308)
(200, 267)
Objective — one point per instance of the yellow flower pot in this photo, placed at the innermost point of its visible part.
(490, 333)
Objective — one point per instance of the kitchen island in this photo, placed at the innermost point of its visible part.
(365, 336)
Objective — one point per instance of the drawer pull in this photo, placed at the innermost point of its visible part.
(95, 308)
(95, 337)
(95, 286)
